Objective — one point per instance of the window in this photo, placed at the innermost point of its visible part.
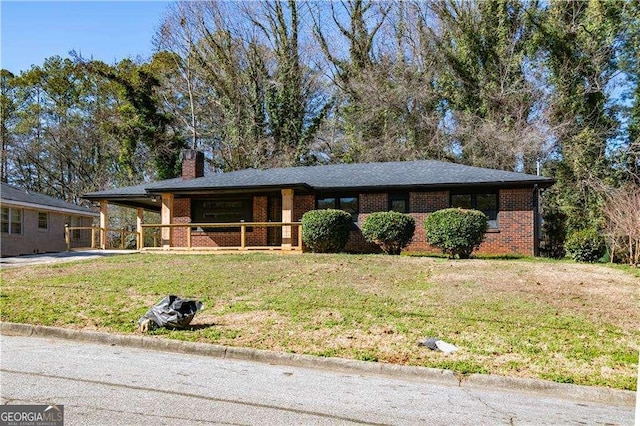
(399, 202)
(11, 221)
(228, 210)
(347, 203)
(326, 203)
(487, 203)
(43, 221)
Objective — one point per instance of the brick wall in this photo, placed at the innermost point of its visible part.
(515, 233)
(420, 205)
(367, 204)
(301, 205)
(182, 214)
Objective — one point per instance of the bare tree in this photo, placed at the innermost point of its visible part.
(492, 99)
(178, 36)
(622, 212)
(385, 97)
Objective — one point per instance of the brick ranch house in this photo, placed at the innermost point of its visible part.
(34, 223)
(509, 199)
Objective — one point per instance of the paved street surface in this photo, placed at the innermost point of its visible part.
(109, 385)
(65, 256)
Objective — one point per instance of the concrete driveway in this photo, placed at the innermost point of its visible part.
(69, 256)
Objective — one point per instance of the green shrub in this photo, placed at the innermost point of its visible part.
(392, 231)
(326, 231)
(457, 232)
(586, 245)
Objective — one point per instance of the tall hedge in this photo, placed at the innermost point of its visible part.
(457, 232)
(392, 231)
(326, 231)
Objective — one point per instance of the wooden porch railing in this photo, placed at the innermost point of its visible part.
(242, 226)
(99, 237)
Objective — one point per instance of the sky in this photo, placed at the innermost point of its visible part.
(103, 30)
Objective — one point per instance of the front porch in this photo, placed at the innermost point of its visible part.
(151, 233)
(269, 226)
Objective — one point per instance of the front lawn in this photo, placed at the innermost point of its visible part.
(559, 321)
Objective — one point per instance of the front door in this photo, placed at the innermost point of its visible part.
(274, 214)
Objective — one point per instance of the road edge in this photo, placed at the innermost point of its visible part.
(447, 377)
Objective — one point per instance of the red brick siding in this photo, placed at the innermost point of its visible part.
(367, 204)
(370, 203)
(182, 214)
(515, 222)
(420, 205)
(301, 205)
(258, 237)
(515, 234)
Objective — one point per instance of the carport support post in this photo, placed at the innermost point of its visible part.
(287, 215)
(139, 219)
(104, 223)
(167, 219)
(67, 236)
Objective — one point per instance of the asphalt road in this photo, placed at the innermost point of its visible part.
(65, 256)
(101, 384)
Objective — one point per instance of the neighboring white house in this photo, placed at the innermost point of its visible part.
(34, 223)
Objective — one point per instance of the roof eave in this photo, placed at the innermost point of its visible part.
(228, 189)
(435, 186)
(45, 207)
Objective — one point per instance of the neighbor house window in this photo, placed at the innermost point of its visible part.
(487, 203)
(43, 221)
(11, 220)
(227, 210)
(399, 202)
(343, 202)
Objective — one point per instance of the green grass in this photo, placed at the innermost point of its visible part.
(554, 320)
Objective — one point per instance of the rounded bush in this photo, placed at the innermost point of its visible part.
(586, 245)
(457, 232)
(326, 231)
(392, 231)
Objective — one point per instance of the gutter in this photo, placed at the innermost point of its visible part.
(54, 209)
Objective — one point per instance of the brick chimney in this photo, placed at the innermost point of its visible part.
(192, 164)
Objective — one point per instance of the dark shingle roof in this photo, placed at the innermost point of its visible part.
(11, 194)
(362, 176)
(132, 191)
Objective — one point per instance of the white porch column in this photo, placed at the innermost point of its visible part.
(104, 223)
(287, 215)
(167, 219)
(139, 219)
